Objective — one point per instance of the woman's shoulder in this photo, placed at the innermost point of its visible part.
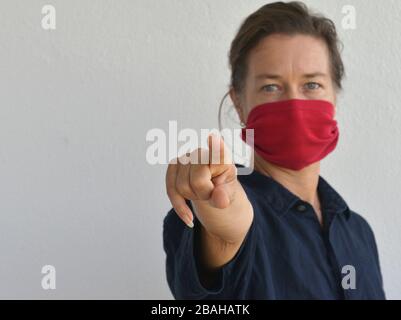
(360, 221)
(360, 228)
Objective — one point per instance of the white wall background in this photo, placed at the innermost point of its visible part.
(76, 103)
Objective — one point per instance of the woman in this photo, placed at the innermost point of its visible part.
(281, 232)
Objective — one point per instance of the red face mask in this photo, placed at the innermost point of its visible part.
(293, 133)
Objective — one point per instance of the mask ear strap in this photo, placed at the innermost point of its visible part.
(220, 111)
(242, 124)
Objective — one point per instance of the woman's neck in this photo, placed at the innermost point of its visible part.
(302, 183)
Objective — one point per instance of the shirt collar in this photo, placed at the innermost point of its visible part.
(281, 199)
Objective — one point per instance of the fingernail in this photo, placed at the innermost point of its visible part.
(190, 224)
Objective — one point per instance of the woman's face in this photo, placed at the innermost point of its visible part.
(286, 67)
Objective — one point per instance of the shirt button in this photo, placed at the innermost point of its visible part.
(301, 208)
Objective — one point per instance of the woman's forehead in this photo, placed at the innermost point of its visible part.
(282, 53)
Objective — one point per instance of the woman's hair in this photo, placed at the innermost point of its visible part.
(286, 18)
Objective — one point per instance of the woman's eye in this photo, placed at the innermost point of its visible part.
(313, 86)
(270, 88)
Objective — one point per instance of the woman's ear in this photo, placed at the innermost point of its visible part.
(237, 104)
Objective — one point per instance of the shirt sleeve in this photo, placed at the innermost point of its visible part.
(376, 254)
(182, 267)
(370, 242)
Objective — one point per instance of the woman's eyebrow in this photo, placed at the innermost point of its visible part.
(268, 76)
(276, 76)
(314, 75)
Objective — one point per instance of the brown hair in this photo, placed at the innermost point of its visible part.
(288, 18)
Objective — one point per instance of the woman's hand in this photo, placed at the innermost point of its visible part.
(202, 175)
(219, 201)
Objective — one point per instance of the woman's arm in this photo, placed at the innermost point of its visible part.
(219, 202)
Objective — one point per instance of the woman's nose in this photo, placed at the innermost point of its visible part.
(291, 93)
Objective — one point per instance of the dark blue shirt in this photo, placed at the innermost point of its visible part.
(286, 254)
